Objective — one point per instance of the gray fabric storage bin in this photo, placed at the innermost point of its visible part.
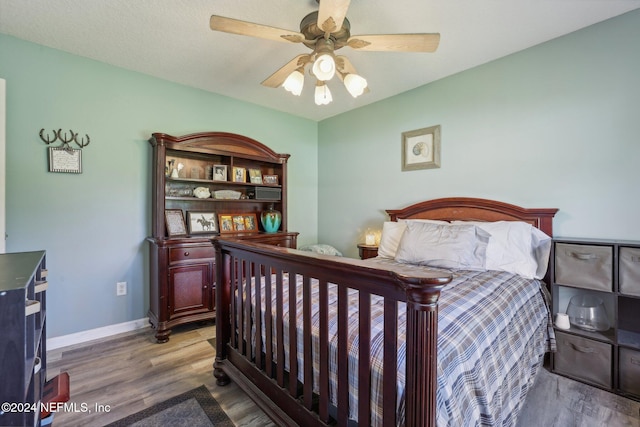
(629, 260)
(584, 266)
(629, 371)
(584, 359)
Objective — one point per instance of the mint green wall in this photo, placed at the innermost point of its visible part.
(555, 125)
(93, 225)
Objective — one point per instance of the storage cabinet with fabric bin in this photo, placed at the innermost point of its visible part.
(604, 277)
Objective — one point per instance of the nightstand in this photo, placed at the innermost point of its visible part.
(367, 251)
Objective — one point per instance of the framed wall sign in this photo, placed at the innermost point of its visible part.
(67, 160)
(421, 149)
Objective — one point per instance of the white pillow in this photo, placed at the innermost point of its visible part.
(516, 247)
(392, 233)
(443, 245)
(390, 238)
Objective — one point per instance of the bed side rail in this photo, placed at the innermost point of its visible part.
(243, 347)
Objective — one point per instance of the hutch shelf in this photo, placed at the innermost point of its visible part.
(193, 177)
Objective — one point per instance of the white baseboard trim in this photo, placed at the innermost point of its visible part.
(97, 333)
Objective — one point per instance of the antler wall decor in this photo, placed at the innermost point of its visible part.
(57, 135)
(63, 158)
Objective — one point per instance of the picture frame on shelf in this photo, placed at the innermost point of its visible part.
(255, 176)
(238, 223)
(239, 174)
(174, 219)
(219, 172)
(421, 149)
(202, 222)
(226, 223)
(270, 179)
(250, 223)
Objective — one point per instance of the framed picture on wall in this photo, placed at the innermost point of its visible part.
(421, 149)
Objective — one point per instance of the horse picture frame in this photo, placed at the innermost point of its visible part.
(202, 222)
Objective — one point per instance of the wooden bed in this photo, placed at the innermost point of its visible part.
(248, 346)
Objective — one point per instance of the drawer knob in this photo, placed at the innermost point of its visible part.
(186, 253)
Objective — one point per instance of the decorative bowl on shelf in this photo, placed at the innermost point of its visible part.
(587, 312)
(202, 193)
(227, 194)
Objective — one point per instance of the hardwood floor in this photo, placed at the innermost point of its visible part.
(130, 372)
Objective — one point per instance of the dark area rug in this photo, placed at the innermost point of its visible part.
(195, 408)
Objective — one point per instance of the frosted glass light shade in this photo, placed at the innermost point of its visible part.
(355, 84)
(323, 95)
(324, 67)
(294, 83)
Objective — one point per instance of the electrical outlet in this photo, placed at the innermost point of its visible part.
(121, 288)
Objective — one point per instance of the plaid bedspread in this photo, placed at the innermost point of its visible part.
(494, 327)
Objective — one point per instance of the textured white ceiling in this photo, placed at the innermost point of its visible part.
(171, 39)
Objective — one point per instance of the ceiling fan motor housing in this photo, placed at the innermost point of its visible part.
(309, 27)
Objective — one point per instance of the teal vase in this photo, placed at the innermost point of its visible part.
(271, 220)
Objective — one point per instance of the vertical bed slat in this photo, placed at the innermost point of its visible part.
(307, 390)
(279, 330)
(268, 323)
(234, 301)
(390, 361)
(258, 315)
(343, 358)
(293, 339)
(247, 310)
(323, 408)
(239, 268)
(364, 357)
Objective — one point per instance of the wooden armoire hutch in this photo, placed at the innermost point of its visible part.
(182, 280)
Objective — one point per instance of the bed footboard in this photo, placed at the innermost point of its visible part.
(254, 334)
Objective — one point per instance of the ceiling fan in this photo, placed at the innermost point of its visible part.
(324, 32)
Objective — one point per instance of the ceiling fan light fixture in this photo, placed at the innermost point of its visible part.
(355, 84)
(323, 94)
(324, 67)
(294, 82)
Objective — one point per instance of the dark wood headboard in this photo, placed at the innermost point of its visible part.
(472, 209)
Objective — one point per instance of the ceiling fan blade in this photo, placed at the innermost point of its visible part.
(276, 79)
(344, 65)
(244, 28)
(331, 13)
(396, 42)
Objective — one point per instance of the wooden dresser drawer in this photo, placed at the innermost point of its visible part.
(629, 371)
(630, 271)
(584, 266)
(186, 253)
(584, 359)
